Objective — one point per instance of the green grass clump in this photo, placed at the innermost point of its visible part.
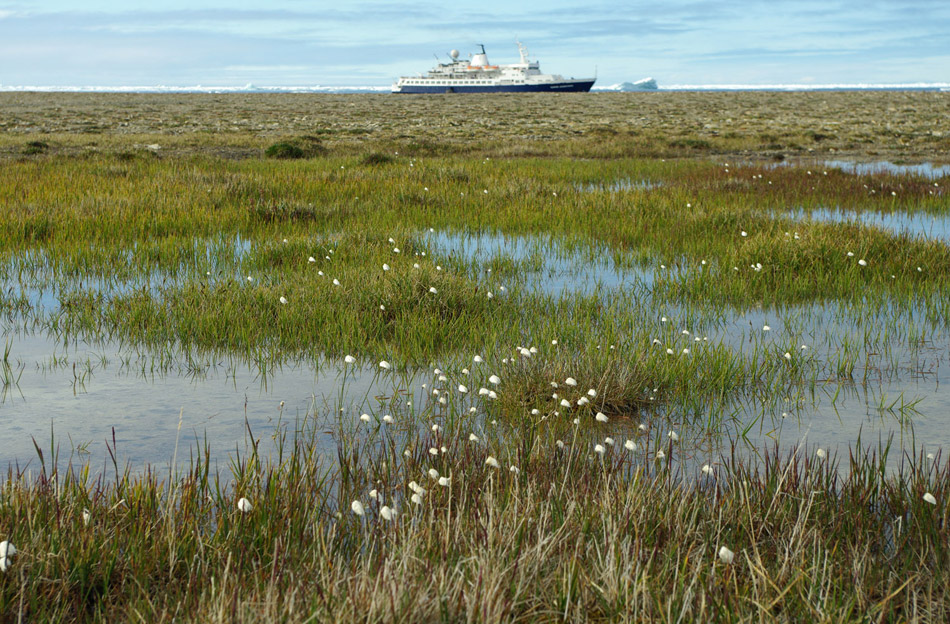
(284, 150)
(35, 147)
(376, 158)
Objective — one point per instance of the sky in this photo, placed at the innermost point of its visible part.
(357, 43)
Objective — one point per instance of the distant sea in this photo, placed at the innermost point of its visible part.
(250, 88)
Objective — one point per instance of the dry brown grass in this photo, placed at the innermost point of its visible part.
(891, 124)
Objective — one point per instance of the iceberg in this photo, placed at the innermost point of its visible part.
(646, 84)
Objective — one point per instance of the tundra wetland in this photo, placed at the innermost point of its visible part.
(594, 357)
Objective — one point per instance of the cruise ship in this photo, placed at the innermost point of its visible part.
(477, 75)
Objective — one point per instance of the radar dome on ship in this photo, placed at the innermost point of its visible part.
(454, 54)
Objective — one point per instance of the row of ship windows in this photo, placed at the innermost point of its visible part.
(465, 82)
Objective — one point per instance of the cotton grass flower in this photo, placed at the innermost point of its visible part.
(385, 267)
(673, 436)
(820, 453)
(472, 437)
(929, 498)
(726, 555)
(336, 282)
(570, 381)
(463, 389)
(495, 379)
(388, 419)
(491, 462)
(357, 508)
(385, 365)
(387, 513)
(599, 449)
(7, 551)
(601, 417)
(609, 441)
(433, 473)
(444, 481)
(350, 359)
(565, 403)
(416, 499)
(592, 393)
(244, 505)
(478, 359)
(283, 301)
(630, 445)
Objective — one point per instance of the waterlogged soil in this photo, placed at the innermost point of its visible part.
(541, 263)
(902, 124)
(84, 397)
(916, 225)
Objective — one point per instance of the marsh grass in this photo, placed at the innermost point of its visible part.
(198, 252)
(570, 536)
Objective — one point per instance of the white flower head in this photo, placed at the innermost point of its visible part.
(244, 505)
(357, 508)
(726, 555)
(7, 550)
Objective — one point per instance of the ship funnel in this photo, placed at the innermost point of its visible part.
(480, 59)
